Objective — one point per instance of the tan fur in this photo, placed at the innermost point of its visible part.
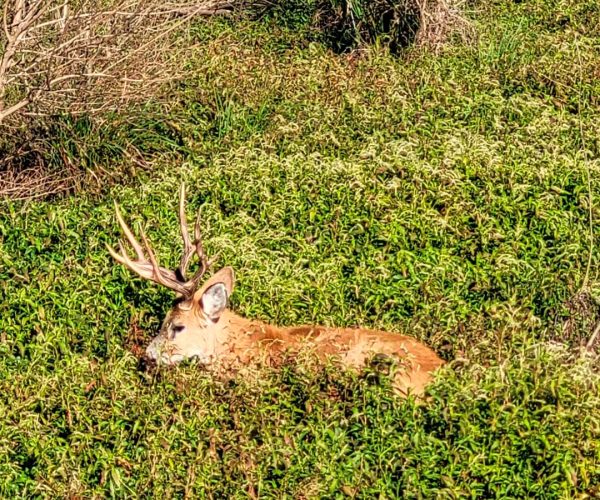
(233, 341)
(201, 326)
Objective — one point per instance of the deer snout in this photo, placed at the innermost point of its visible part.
(152, 351)
(158, 351)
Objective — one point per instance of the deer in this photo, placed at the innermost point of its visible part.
(200, 325)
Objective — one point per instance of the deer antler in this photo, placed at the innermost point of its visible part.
(146, 264)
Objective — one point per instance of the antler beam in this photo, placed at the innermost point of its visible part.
(146, 264)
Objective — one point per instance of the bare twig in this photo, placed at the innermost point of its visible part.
(58, 57)
(592, 340)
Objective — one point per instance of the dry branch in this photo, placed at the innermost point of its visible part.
(439, 19)
(70, 57)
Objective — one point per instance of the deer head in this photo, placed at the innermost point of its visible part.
(192, 327)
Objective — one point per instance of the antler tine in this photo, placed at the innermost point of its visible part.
(191, 247)
(198, 237)
(146, 264)
(205, 262)
(188, 247)
(161, 275)
(121, 258)
(130, 237)
(147, 269)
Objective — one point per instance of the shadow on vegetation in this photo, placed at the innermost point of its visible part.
(343, 26)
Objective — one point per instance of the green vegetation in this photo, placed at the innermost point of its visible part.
(445, 195)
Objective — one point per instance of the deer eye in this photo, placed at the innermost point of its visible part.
(175, 329)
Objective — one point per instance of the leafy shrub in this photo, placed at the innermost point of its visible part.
(443, 197)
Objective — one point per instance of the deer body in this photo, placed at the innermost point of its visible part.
(201, 326)
(235, 342)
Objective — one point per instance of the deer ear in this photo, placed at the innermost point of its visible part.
(214, 301)
(214, 295)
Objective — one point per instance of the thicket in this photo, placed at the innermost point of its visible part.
(448, 195)
(74, 74)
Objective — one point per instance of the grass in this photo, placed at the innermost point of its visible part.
(445, 196)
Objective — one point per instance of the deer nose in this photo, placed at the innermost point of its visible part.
(152, 351)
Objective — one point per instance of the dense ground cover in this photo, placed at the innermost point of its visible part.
(442, 195)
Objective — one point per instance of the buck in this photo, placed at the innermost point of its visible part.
(201, 326)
